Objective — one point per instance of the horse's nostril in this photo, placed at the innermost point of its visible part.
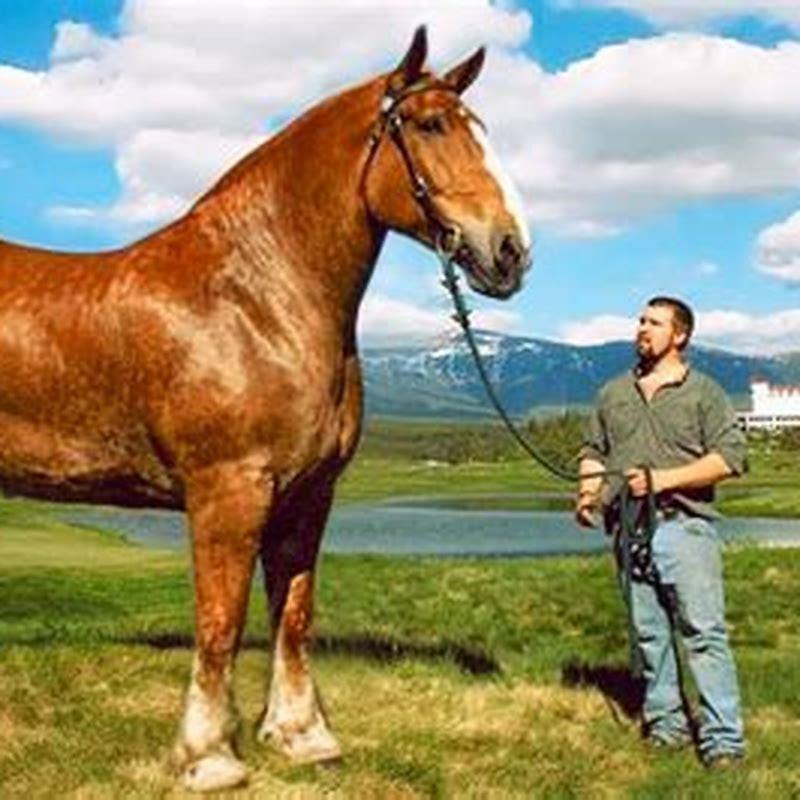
(509, 249)
(510, 255)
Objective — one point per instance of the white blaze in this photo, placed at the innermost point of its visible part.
(511, 197)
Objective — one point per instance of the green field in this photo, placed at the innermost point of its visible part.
(443, 678)
(441, 459)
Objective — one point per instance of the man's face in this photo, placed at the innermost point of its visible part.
(656, 333)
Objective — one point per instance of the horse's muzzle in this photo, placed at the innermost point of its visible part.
(511, 257)
(495, 269)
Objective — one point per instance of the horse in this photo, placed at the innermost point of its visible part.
(212, 367)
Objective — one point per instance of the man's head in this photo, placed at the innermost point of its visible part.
(665, 327)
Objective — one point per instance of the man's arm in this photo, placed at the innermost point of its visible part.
(589, 487)
(593, 453)
(704, 471)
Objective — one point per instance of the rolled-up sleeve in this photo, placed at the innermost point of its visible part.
(595, 440)
(721, 431)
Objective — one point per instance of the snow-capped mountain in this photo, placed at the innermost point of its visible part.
(441, 380)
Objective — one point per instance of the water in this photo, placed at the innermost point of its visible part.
(406, 529)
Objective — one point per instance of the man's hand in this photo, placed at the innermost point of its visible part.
(637, 481)
(586, 509)
(705, 471)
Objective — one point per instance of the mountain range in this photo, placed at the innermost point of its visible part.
(531, 375)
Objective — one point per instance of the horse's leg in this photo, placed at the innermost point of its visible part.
(294, 719)
(228, 507)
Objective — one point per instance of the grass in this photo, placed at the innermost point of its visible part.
(768, 490)
(443, 678)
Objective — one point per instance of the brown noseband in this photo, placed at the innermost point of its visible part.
(447, 235)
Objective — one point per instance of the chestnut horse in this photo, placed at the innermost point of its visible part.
(212, 366)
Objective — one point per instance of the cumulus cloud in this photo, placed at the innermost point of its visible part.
(160, 171)
(645, 125)
(778, 250)
(737, 331)
(211, 75)
(385, 321)
(635, 129)
(751, 333)
(603, 328)
(699, 12)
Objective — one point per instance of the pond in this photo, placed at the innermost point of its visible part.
(430, 527)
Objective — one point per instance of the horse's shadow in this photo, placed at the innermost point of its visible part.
(616, 683)
(383, 649)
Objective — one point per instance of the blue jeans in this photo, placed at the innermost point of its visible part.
(687, 604)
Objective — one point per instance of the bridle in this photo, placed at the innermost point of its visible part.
(447, 235)
(447, 238)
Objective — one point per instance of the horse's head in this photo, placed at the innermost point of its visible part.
(433, 175)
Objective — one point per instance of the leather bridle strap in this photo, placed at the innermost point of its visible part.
(446, 235)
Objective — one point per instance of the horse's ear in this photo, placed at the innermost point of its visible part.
(462, 75)
(410, 68)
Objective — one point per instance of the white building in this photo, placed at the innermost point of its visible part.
(773, 407)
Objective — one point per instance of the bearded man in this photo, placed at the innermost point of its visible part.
(669, 431)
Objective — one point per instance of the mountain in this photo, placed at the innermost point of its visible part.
(530, 374)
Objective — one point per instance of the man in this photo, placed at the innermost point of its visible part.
(678, 423)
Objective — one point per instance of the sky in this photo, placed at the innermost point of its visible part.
(655, 143)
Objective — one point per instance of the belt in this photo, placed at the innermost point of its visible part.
(667, 513)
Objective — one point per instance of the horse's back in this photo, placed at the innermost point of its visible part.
(53, 316)
(66, 428)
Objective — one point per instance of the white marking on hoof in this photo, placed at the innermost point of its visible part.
(313, 745)
(215, 773)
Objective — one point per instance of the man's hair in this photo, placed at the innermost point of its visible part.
(682, 315)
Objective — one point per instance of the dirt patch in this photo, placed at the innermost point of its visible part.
(151, 700)
(773, 718)
(9, 730)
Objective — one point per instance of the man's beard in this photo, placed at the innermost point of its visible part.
(647, 358)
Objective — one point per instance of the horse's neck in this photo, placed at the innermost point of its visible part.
(295, 211)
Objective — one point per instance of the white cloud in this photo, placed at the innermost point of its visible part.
(778, 250)
(737, 331)
(776, 332)
(222, 70)
(384, 321)
(161, 171)
(496, 319)
(635, 129)
(700, 12)
(645, 125)
(707, 268)
(76, 40)
(603, 328)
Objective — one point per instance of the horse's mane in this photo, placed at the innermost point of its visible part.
(341, 106)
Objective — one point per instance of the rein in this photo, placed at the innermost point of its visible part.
(637, 520)
(391, 121)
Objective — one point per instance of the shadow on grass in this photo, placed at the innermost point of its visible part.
(614, 682)
(376, 648)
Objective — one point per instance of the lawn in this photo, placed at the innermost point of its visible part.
(442, 678)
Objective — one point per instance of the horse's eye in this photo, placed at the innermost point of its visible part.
(433, 125)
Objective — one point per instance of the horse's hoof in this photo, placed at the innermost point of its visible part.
(315, 745)
(215, 773)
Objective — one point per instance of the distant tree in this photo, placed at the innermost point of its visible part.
(559, 437)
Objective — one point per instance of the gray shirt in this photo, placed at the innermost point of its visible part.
(681, 423)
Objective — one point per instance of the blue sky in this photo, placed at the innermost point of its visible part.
(656, 144)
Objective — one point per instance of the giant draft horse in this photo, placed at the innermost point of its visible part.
(212, 367)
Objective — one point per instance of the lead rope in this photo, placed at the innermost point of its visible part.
(634, 538)
(630, 509)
